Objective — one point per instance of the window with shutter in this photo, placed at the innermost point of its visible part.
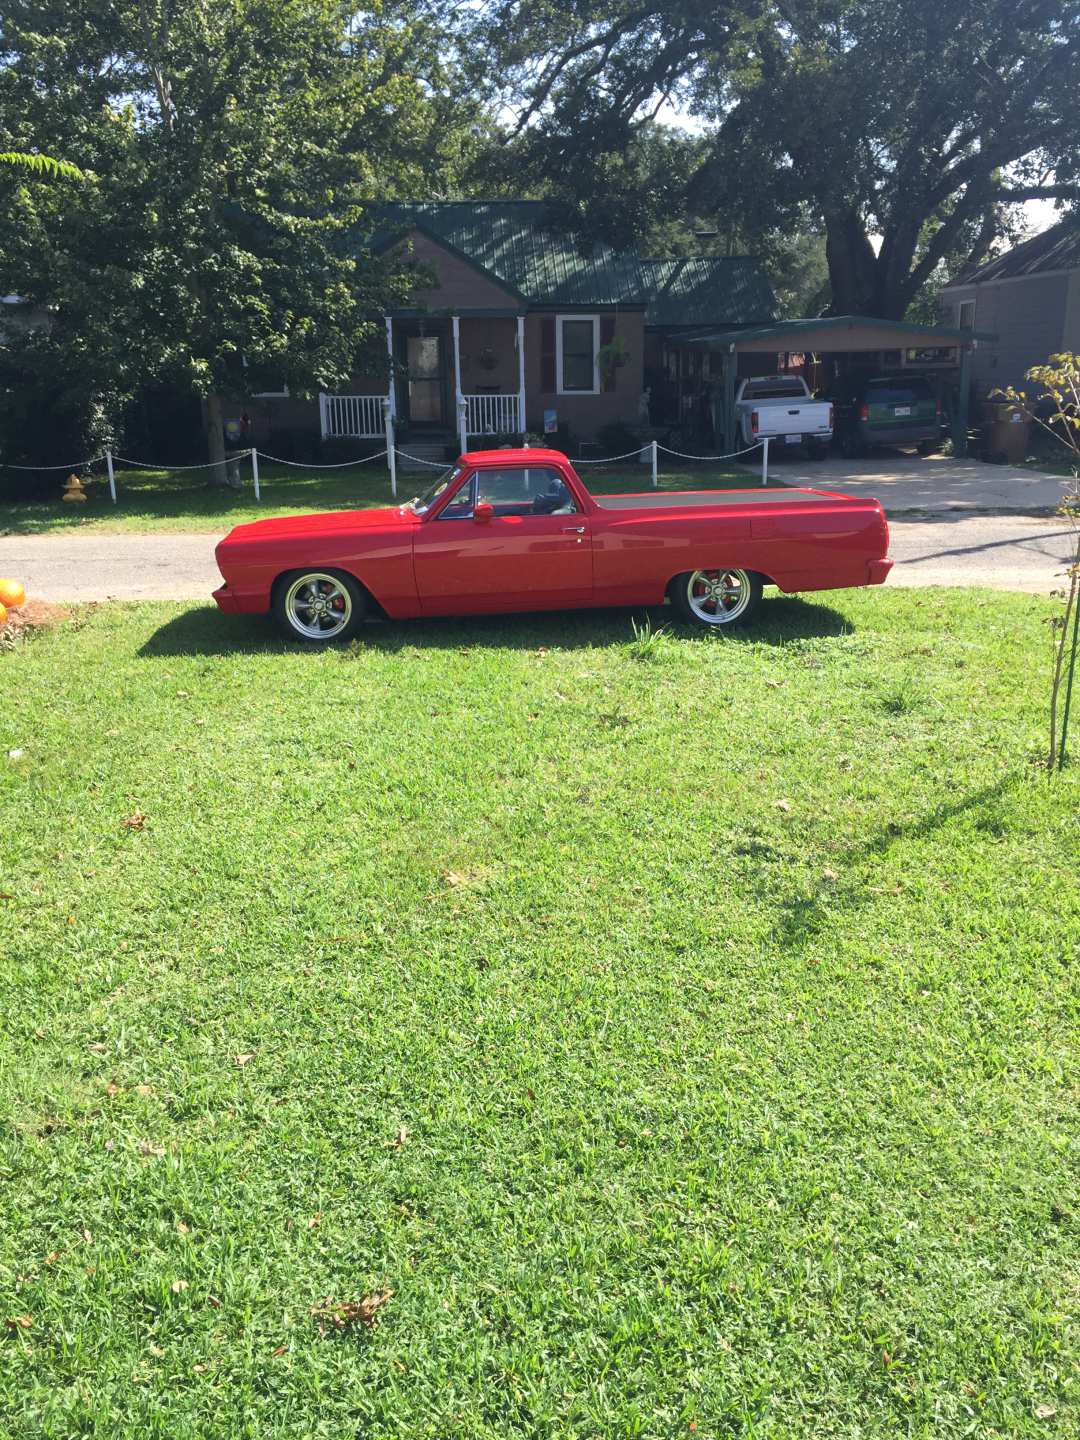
(577, 340)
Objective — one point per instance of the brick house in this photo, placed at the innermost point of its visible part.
(514, 324)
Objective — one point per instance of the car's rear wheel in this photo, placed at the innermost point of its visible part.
(929, 447)
(712, 598)
(319, 607)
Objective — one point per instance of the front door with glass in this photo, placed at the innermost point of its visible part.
(426, 382)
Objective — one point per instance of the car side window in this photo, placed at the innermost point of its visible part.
(525, 490)
(463, 503)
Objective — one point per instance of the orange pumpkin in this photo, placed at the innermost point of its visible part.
(12, 594)
(3, 613)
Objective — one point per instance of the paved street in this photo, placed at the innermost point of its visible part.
(1001, 552)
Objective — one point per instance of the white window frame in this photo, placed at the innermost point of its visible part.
(960, 306)
(559, 387)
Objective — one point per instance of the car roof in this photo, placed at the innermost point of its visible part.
(515, 455)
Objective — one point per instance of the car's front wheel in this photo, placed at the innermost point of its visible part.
(711, 598)
(319, 607)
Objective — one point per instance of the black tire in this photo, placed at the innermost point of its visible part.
(929, 447)
(817, 450)
(693, 607)
(336, 608)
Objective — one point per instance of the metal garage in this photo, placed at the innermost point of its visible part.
(842, 335)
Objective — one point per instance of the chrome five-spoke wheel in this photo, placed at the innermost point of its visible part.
(318, 605)
(716, 597)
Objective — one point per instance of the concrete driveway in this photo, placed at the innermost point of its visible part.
(932, 484)
(1001, 552)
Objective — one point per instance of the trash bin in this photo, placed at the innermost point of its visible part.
(1005, 432)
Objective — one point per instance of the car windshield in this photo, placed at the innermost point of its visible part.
(421, 504)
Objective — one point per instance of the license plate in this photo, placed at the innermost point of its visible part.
(902, 410)
(792, 439)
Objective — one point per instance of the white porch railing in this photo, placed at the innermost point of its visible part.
(352, 417)
(492, 415)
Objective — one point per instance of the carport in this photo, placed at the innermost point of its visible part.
(840, 335)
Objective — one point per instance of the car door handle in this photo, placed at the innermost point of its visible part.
(573, 530)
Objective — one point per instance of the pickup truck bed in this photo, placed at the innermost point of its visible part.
(508, 530)
(696, 499)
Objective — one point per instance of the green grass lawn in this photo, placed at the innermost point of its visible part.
(684, 1031)
(159, 500)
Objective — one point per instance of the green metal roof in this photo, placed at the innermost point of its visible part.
(783, 331)
(706, 289)
(517, 245)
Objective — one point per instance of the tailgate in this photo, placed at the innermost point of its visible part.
(791, 419)
(898, 416)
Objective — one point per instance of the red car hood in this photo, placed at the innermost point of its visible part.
(322, 523)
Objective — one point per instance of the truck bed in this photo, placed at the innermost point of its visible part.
(680, 499)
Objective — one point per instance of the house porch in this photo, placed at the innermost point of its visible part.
(452, 375)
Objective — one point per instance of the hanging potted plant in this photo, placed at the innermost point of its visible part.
(611, 357)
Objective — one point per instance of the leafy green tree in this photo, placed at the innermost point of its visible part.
(235, 148)
(904, 131)
(41, 164)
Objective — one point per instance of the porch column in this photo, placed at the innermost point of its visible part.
(390, 395)
(458, 398)
(730, 362)
(960, 418)
(521, 372)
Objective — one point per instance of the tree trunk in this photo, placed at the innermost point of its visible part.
(215, 439)
(860, 285)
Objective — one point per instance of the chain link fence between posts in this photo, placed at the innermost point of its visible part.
(644, 454)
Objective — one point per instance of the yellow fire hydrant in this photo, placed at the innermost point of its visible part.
(74, 493)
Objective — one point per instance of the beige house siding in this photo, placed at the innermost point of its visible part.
(1070, 336)
(1028, 315)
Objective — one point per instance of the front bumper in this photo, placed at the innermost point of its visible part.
(898, 434)
(877, 571)
(226, 600)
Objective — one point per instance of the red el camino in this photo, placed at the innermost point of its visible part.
(508, 530)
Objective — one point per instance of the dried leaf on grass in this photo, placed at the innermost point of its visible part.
(345, 1314)
(243, 1059)
(19, 1322)
(135, 821)
(34, 615)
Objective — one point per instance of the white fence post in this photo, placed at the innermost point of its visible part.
(112, 477)
(391, 458)
(765, 461)
(255, 473)
(521, 377)
(323, 408)
(655, 480)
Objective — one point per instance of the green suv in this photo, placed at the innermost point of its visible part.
(886, 410)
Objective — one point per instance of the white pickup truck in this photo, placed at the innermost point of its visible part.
(781, 407)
